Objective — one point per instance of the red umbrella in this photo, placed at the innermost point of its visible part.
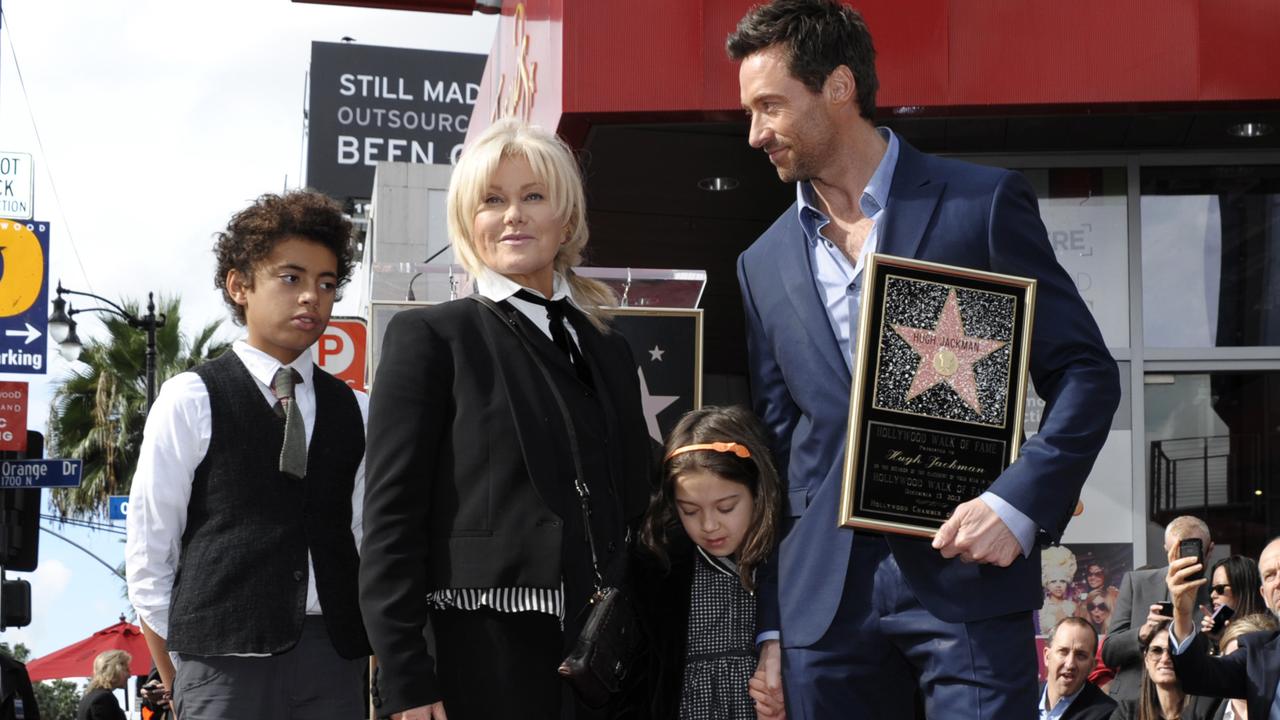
(76, 659)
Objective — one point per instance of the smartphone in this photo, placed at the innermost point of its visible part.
(1192, 547)
(1220, 618)
(1166, 608)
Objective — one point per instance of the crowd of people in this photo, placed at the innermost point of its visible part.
(466, 523)
(1180, 640)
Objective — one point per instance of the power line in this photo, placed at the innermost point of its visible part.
(85, 550)
(90, 524)
(6, 24)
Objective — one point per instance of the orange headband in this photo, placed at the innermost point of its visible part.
(739, 450)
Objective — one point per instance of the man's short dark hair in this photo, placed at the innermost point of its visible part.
(817, 36)
(253, 233)
(1077, 621)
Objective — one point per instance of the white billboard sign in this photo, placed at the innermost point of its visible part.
(17, 185)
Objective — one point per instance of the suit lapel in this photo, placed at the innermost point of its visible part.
(802, 291)
(912, 200)
(1271, 676)
(526, 409)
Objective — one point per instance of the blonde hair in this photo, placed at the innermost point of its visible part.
(1256, 622)
(110, 668)
(1057, 563)
(553, 163)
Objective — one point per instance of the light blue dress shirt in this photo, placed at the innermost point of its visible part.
(1060, 709)
(839, 285)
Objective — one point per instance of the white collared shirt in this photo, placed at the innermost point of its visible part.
(499, 287)
(174, 442)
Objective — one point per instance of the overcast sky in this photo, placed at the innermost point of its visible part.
(159, 119)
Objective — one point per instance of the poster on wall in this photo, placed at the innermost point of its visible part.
(1080, 580)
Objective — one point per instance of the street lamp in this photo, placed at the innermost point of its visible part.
(62, 329)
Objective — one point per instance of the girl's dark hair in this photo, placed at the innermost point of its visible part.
(1245, 582)
(720, 424)
(817, 36)
(1149, 699)
(254, 232)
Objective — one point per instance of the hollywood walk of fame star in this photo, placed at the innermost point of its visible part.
(947, 355)
(656, 354)
(653, 404)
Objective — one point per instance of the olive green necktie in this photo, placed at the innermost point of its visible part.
(293, 454)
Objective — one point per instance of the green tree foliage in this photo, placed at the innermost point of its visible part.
(58, 699)
(99, 410)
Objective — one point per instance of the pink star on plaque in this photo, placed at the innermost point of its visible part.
(947, 355)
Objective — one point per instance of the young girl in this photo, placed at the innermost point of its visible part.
(719, 482)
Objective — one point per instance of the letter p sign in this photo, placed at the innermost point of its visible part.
(340, 351)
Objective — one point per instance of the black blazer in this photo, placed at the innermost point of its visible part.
(464, 487)
(99, 704)
(1251, 672)
(1090, 704)
(1200, 708)
(15, 686)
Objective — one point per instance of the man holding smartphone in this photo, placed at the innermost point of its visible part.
(1138, 609)
(1250, 672)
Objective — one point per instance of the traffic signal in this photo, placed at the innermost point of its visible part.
(20, 515)
(15, 604)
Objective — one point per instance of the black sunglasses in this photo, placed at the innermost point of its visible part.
(1220, 589)
(1098, 606)
(1156, 651)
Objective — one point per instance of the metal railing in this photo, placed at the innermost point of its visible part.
(1204, 472)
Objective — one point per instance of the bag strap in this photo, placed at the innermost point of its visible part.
(579, 484)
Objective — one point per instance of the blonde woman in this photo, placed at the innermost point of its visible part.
(473, 519)
(110, 673)
(1057, 567)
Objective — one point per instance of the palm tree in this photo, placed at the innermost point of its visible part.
(99, 410)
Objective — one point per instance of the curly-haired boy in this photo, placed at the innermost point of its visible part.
(244, 514)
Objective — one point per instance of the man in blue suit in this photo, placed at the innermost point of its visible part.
(856, 622)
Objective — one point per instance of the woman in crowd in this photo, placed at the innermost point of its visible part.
(474, 518)
(1234, 583)
(110, 673)
(1160, 696)
(1237, 708)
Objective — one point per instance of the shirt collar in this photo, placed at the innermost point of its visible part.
(875, 196)
(1065, 701)
(263, 366)
(498, 287)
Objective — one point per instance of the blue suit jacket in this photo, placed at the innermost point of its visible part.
(950, 212)
(1251, 672)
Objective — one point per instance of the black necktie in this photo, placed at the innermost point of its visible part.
(293, 453)
(559, 334)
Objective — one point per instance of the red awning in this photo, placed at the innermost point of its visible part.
(76, 660)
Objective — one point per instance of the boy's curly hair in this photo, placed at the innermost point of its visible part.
(253, 233)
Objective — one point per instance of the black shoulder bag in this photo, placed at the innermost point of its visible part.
(611, 642)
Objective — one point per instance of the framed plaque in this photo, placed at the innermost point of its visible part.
(939, 383)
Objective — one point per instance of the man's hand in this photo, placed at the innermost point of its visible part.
(1154, 619)
(434, 711)
(765, 686)
(1182, 588)
(975, 533)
